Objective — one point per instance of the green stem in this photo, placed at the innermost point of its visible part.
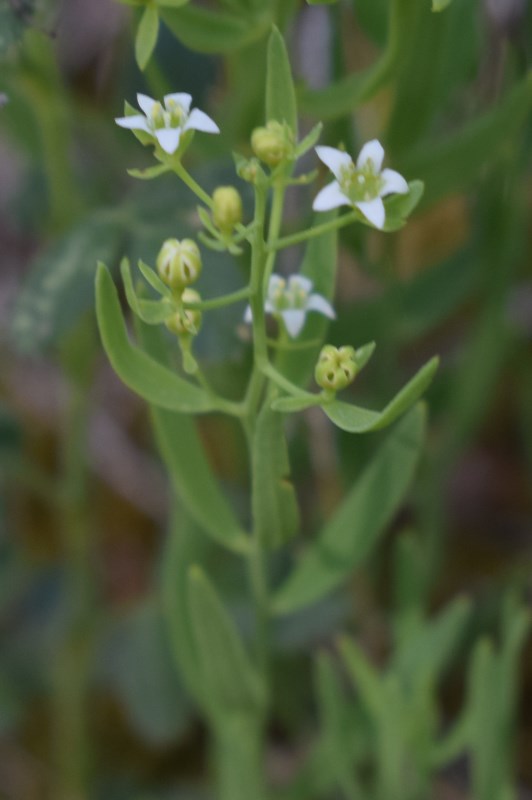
(310, 233)
(220, 302)
(193, 185)
(273, 230)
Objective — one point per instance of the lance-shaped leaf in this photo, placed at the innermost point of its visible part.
(152, 312)
(440, 5)
(230, 681)
(192, 477)
(354, 419)
(146, 37)
(280, 92)
(212, 31)
(149, 379)
(355, 528)
(274, 502)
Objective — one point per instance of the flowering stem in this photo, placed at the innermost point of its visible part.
(220, 302)
(274, 228)
(182, 173)
(310, 233)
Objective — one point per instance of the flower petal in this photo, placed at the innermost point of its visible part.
(393, 183)
(199, 121)
(248, 315)
(136, 122)
(299, 282)
(168, 138)
(181, 98)
(336, 160)
(330, 197)
(146, 103)
(318, 303)
(374, 211)
(294, 319)
(372, 151)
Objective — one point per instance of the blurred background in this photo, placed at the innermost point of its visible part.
(88, 683)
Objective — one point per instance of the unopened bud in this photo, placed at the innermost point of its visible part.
(188, 321)
(336, 368)
(179, 263)
(227, 208)
(272, 144)
(249, 170)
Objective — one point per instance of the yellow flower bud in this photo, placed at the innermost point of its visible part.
(272, 144)
(179, 263)
(336, 368)
(187, 322)
(227, 209)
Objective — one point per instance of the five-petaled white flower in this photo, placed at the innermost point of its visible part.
(290, 300)
(168, 123)
(362, 185)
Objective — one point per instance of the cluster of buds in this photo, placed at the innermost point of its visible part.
(336, 368)
(179, 265)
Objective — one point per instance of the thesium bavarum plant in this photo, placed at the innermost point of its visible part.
(274, 295)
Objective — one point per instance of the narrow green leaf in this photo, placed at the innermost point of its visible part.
(153, 279)
(400, 206)
(149, 379)
(355, 528)
(150, 173)
(290, 405)
(184, 456)
(365, 678)
(147, 33)
(440, 5)
(211, 31)
(230, 681)
(452, 164)
(58, 288)
(280, 93)
(354, 419)
(308, 142)
(152, 312)
(485, 743)
(274, 502)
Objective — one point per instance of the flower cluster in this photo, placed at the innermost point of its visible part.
(167, 122)
(362, 185)
(289, 301)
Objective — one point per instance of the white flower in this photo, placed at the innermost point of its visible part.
(169, 122)
(291, 300)
(363, 185)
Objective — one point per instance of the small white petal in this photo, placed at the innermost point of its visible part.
(300, 282)
(168, 138)
(146, 103)
(372, 151)
(135, 123)
(393, 183)
(294, 319)
(318, 303)
(181, 98)
(336, 160)
(248, 316)
(374, 211)
(269, 308)
(330, 197)
(199, 121)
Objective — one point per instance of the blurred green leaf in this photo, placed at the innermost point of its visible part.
(440, 5)
(351, 533)
(183, 453)
(146, 37)
(280, 93)
(354, 419)
(274, 502)
(58, 289)
(230, 681)
(212, 31)
(149, 379)
(136, 664)
(453, 164)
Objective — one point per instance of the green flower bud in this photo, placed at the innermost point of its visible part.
(272, 144)
(336, 368)
(187, 322)
(249, 170)
(227, 209)
(179, 263)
